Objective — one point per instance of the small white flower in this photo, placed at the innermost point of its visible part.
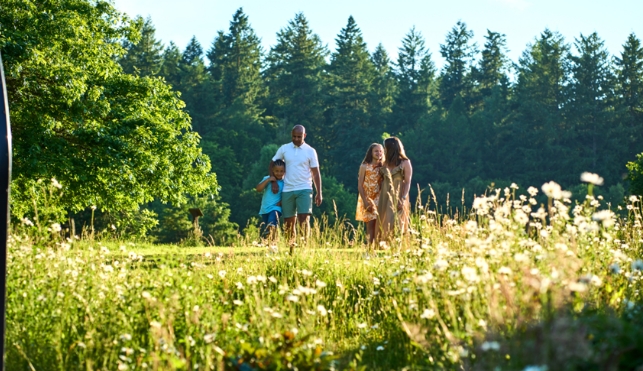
(237, 302)
(379, 348)
(27, 222)
(320, 284)
(208, 338)
(322, 311)
(56, 227)
(126, 337)
(222, 274)
(533, 191)
(155, 324)
(428, 314)
(553, 190)
(591, 178)
(306, 273)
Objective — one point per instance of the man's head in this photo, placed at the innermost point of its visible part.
(279, 169)
(298, 135)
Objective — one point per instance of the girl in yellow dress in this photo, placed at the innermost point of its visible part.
(368, 185)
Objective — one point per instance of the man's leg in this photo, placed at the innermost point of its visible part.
(304, 225)
(304, 210)
(289, 210)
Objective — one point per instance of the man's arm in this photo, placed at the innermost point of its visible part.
(318, 185)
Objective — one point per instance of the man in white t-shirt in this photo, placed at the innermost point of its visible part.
(303, 172)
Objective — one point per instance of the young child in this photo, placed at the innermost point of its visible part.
(368, 185)
(271, 202)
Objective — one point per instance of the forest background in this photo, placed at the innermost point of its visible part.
(134, 131)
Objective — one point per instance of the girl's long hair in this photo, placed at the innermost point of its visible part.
(394, 151)
(369, 153)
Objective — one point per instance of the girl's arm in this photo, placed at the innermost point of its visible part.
(360, 185)
(408, 173)
(260, 187)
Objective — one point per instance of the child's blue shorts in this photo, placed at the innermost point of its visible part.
(271, 218)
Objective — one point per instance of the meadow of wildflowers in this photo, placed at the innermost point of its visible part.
(522, 281)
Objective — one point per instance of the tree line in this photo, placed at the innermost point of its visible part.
(558, 111)
(139, 129)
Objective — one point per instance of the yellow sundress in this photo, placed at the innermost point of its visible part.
(372, 191)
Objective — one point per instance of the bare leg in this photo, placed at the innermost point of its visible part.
(304, 225)
(370, 231)
(289, 224)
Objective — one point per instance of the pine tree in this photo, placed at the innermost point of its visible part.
(629, 89)
(143, 57)
(590, 108)
(349, 131)
(539, 151)
(415, 75)
(458, 53)
(492, 105)
(296, 78)
(236, 129)
(384, 90)
(170, 66)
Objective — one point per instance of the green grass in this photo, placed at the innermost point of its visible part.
(486, 292)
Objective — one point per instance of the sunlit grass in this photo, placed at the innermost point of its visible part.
(507, 285)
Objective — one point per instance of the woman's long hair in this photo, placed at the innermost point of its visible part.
(369, 153)
(394, 151)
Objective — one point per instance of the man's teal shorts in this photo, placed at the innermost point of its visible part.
(297, 202)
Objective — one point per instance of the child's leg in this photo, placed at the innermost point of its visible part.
(273, 224)
(370, 231)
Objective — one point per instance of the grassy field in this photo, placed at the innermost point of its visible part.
(513, 285)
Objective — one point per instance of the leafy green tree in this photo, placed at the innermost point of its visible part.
(349, 131)
(144, 57)
(590, 108)
(415, 75)
(458, 54)
(629, 90)
(635, 175)
(296, 77)
(112, 140)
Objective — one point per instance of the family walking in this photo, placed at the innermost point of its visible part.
(384, 181)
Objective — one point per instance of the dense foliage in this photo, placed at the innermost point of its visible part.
(114, 140)
(92, 106)
(559, 111)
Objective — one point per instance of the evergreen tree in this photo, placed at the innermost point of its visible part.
(237, 129)
(538, 152)
(415, 75)
(170, 66)
(494, 64)
(384, 90)
(296, 76)
(492, 105)
(629, 89)
(349, 131)
(458, 54)
(590, 107)
(143, 56)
